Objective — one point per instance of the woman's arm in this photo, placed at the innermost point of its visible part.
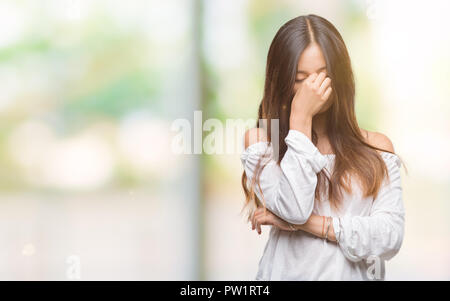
(317, 225)
(288, 189)
(379, 234)
(359, 237)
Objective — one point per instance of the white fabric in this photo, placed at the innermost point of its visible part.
(369, 231)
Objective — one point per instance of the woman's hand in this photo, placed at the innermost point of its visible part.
(308, 100)
(265, 217)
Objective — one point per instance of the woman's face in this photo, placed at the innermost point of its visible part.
(310, 61)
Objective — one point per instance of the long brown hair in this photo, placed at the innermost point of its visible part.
(353, 156)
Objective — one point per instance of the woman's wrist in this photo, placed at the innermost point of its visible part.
(302, 120)
(320, 226)
(296, 227)
(292, 227)
(302, 124)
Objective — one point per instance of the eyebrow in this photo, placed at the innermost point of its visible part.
(317, 71)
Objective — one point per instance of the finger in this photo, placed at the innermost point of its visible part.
(256, 214)
(262, 220)
(261, 212)
(256, 225)
(311, 78)
(319, 79)
(327, 93)
(253, 221)
(325, 84)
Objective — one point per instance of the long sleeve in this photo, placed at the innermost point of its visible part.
(381, 232)
(288, 188)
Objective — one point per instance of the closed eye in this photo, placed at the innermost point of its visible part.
(299, 80)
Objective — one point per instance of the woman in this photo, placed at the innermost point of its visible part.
(333, 197)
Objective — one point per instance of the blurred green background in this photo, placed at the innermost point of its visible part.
(89, 90)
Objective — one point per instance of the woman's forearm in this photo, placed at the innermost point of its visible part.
(315, 225)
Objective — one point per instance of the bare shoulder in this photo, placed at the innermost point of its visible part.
(254, 135)
(379, 140)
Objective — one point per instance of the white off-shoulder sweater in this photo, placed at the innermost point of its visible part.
(368, 231)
